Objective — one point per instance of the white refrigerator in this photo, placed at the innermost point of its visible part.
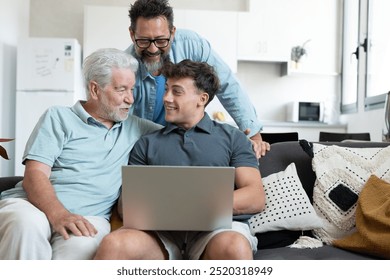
(48, 74)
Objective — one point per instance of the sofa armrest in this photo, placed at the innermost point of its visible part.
(9, 182)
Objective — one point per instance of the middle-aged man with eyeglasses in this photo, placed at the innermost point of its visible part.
(155, 41)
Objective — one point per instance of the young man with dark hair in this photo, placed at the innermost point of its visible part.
(191, 138)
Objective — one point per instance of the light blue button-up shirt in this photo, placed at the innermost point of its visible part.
(189, 45)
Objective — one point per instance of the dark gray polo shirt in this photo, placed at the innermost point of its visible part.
(208, 143)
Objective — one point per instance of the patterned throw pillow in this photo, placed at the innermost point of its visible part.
(341, 174)
(287, 205)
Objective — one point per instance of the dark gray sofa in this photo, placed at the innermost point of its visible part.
(273, 245)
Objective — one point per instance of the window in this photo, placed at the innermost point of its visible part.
(378, 55)
(349, 84)
(366, 54)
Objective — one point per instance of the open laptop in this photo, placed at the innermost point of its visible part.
(193, 198)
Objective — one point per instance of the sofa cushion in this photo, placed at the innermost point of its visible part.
(341, 173)
(372, 221)
(287, 206)
(326, 252)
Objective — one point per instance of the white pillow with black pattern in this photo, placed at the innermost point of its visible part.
(287, 206)
(341, 173)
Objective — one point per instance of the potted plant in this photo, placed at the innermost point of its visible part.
(298, 52)
(3, 151)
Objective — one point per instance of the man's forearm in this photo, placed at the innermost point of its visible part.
(39, 190)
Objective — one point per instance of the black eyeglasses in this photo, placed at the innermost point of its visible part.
(159, 42)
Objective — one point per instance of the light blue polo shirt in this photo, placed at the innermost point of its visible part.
(85, 156)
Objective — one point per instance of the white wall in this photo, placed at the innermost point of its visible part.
(14, 18)
(59, 18)
(270, 92)
(370, 121)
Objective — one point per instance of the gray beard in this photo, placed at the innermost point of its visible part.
(154, 66)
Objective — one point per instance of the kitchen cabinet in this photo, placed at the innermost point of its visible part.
(220, 28)
(268, 32)
(261, 37)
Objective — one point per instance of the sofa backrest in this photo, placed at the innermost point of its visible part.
(284, 153)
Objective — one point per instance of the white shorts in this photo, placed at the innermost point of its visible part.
(26, 234)
(195, 242)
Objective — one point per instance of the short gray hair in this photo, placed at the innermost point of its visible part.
(98, 66)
